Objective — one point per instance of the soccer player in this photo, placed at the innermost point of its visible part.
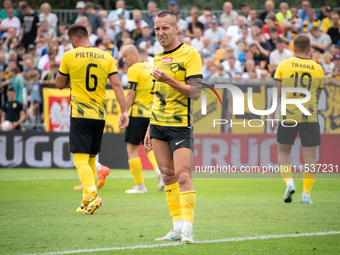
(178, 72)
(102, 173)
(87, 69)
(299, 72)
(139, 99)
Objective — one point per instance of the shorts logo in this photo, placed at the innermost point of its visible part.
(177, 143)
(167, 60)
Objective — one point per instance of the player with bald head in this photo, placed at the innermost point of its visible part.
(139, 100)
(177, 73)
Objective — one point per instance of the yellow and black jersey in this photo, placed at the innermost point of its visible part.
(300, 73)
(141, 81)
(88, 69)
(171, 108)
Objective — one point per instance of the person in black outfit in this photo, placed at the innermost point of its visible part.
(13, 110)
(333, 32)
(29, 25)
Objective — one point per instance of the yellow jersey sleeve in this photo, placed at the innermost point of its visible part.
(193, 65)
(64, 65)
(133, 73)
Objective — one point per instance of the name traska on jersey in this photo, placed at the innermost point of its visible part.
(89, 55)
(300, 65)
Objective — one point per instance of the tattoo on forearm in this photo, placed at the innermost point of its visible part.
(197, 82)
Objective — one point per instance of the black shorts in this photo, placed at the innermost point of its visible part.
(135, 132)
(177, 137)
(86, 135)
(309, 133)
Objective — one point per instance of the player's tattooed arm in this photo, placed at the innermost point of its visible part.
(195, 85)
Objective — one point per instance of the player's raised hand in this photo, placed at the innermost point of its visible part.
(147, 140)
(160, 75)
(123, 120)
(272, 126)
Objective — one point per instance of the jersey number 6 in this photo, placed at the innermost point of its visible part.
(93, 76)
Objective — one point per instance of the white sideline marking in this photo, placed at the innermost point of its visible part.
(69, 178)
(234, 239)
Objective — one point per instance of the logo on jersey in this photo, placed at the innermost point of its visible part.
(167, 60)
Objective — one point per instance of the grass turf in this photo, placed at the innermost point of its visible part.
(38, 215)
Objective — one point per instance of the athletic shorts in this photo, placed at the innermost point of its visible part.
(177, 137)
(309, 133)
(86, 135)
(135, 132)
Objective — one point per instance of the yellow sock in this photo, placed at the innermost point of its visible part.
(81, 161)
(86, 198)
(174, 204)
(152, 159)
(188, 200)
(308, 180)
(286, 172)
(136, 170)
(92, 163)
(93, 194)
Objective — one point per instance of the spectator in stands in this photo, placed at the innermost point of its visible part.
(181, 23)
(334, 50)
(94, 18)
(13, 55)
(64, 42)
(120, 9)
(310, 22)
(229, 16)
(80, 6)
(259, 56)
(144, 56)
(51, 18)
(150, 18)
(242, 47)
(293, 26)
(327, 23)
(45, 30)
(315, 55)
(10, 22)
(274, 33)
(231, 65)
(250, 66)
(51, 54)
(328, 65)
(35, 90)
(320, 41)
(137, 32)
(110, 47)
(16, 82)
(302, 13)
(322, 14)
(29, 65)
(125, 36)
(197, 41)
(213, 70)
(279, 54)
(3, 62)
(207, 62)
(29, 25)
(220, 72)
(194, 13)
(49, 77)
(284, 13)
(334, 31)
(119, 31)
(173, 6)
(215, 33)
(146, 35)
(234, 31)
(269, 7)
(62, 29)
(99, 8)
(208, 49)
(245, 8)
(262, 45)
(13, 110)
(271, 22)
(20, 52)
(254, 21)
(92, 37)
(7, 5)
(206, 17)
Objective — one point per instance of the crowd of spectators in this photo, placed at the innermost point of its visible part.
(235, 45)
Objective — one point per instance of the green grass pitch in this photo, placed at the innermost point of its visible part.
(38, 216)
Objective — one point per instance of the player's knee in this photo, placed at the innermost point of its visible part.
(167, 173)
(183, 178)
